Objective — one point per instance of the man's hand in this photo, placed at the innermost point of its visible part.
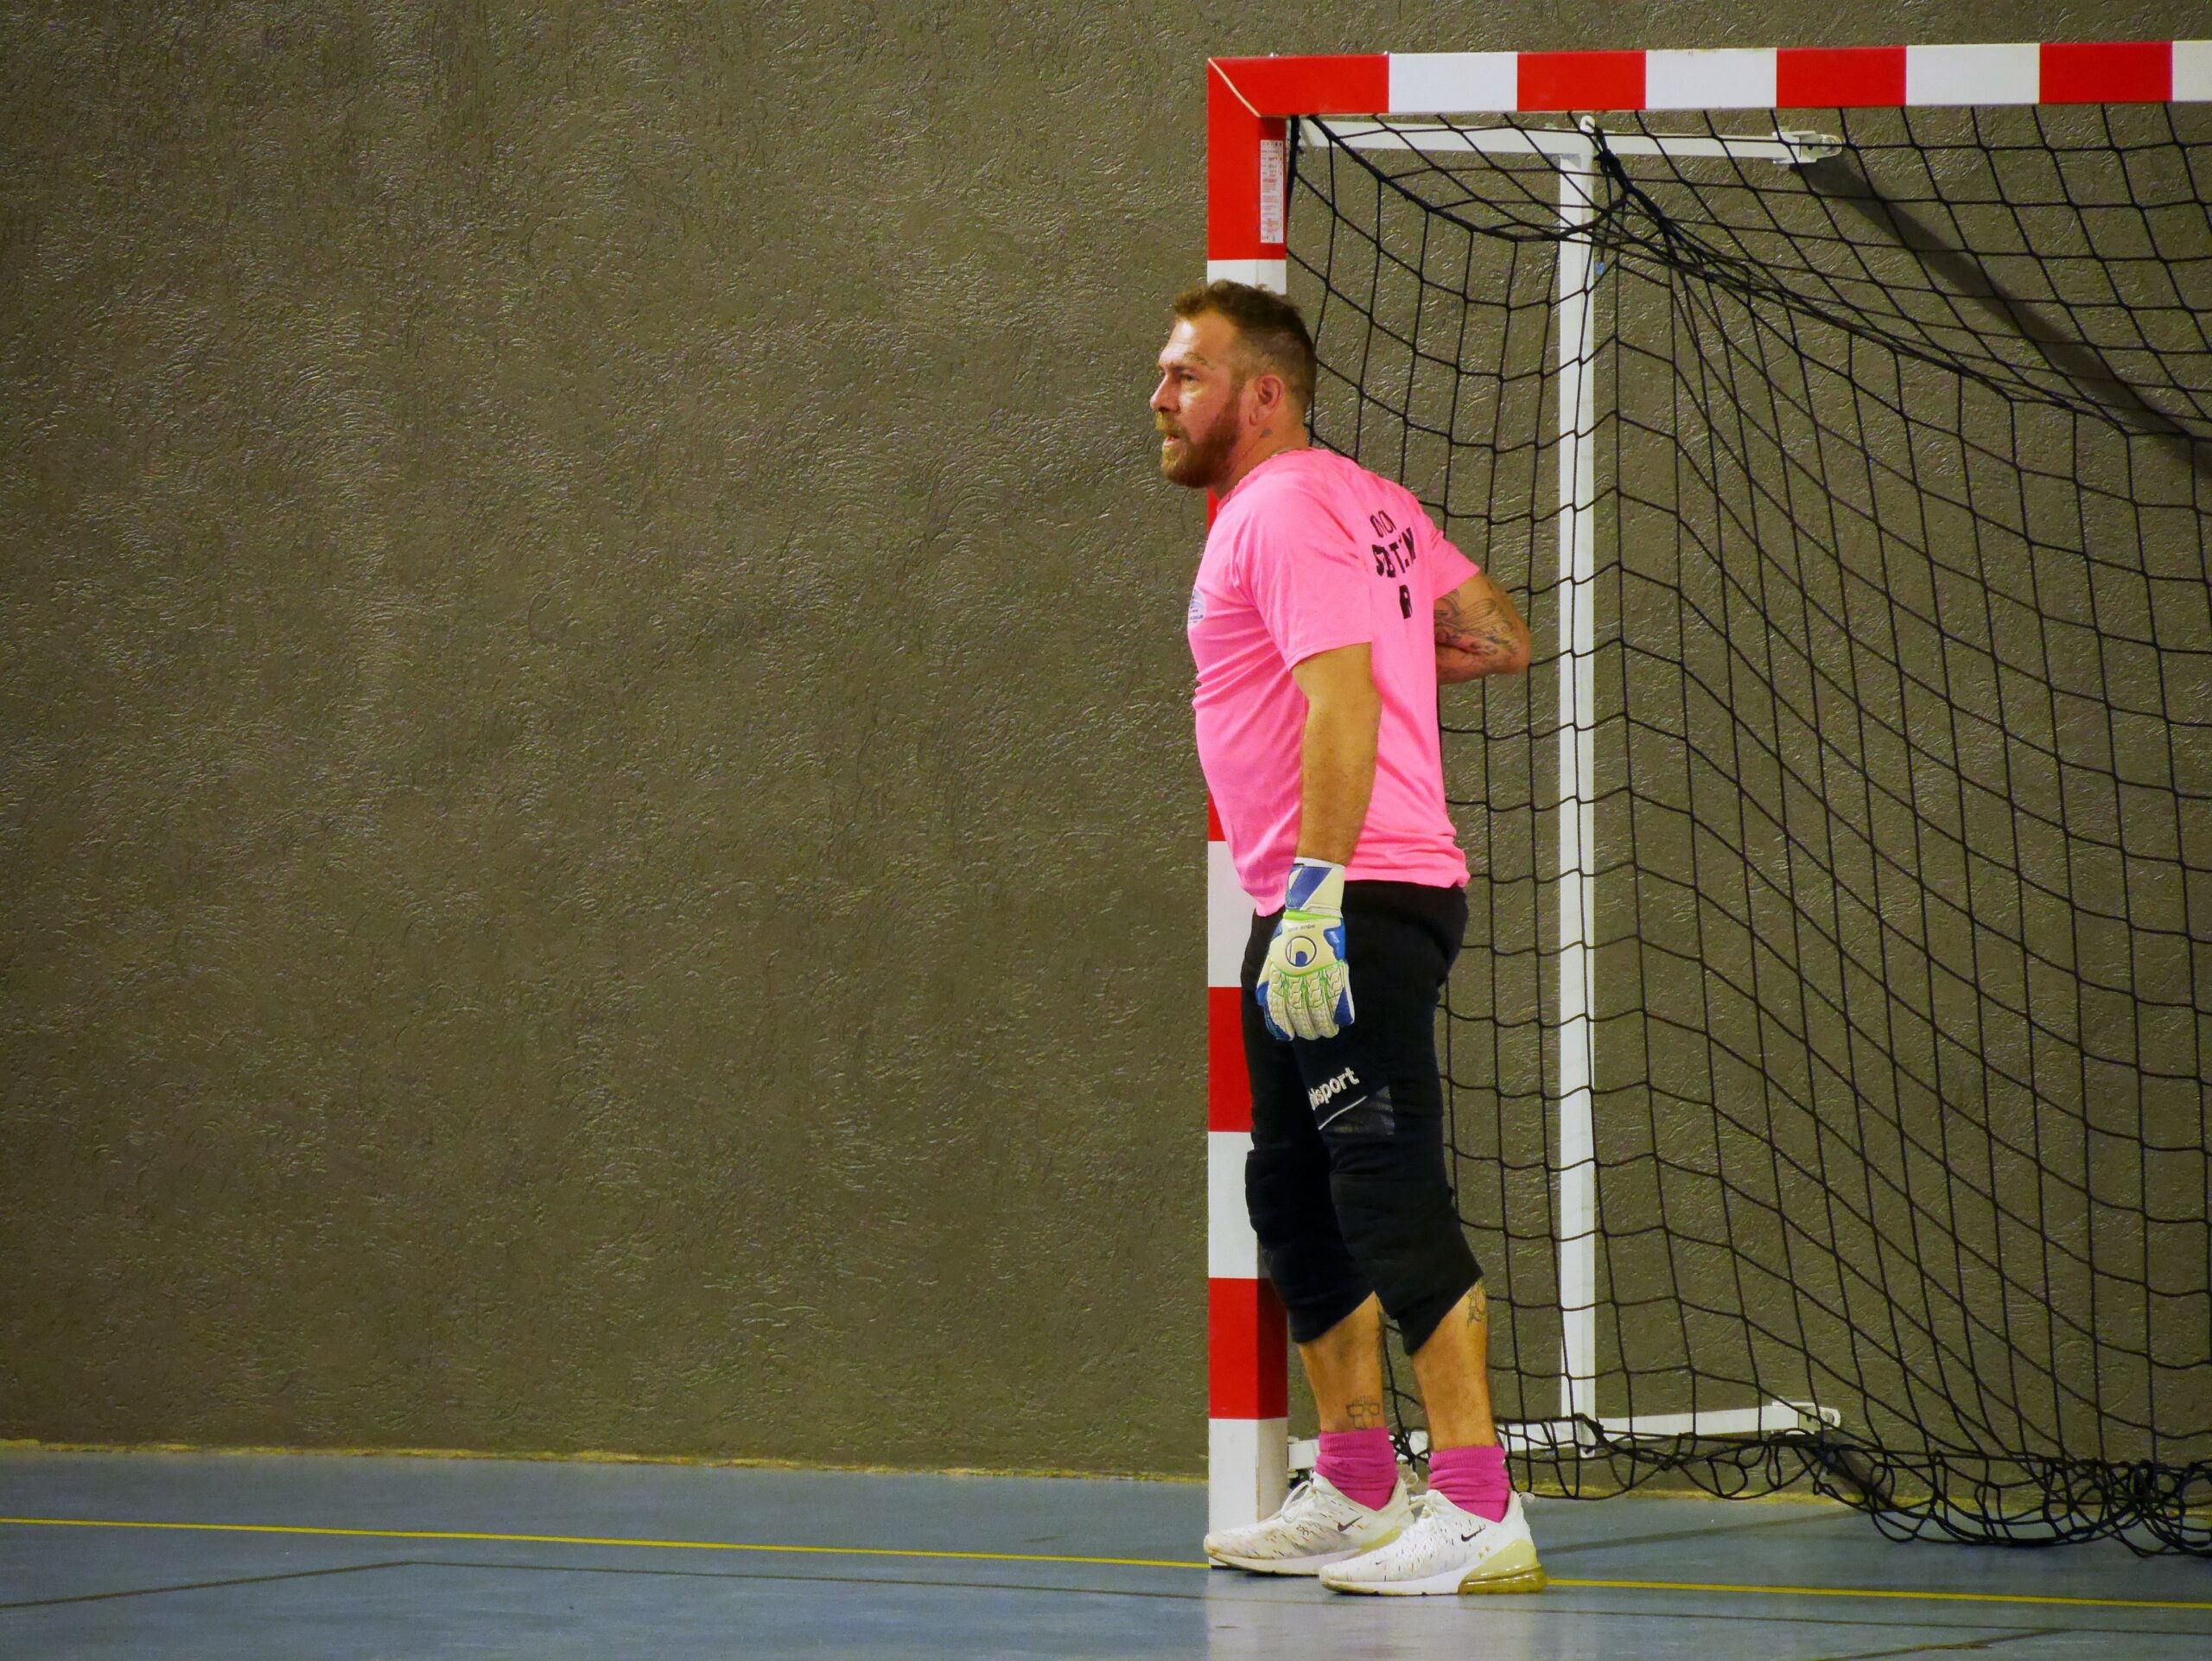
(1304, 986)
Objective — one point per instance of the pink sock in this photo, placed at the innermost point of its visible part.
(1473, 1478)
(1360, 1464)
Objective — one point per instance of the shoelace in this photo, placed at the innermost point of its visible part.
(1412, 1543)
(1316, 1520)
(1301, 1527)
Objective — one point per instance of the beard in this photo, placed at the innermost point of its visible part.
(1202, 456)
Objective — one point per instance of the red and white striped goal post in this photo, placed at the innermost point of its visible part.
(1248, 102)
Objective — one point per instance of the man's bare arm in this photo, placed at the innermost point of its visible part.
(1344, 712)
(1479, 633)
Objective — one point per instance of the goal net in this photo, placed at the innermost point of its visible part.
(1830, 1056)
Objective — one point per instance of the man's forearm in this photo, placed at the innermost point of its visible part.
(1455, 665)
(1337, 778)
(1478, 636)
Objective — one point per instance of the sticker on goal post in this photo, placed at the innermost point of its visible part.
(1272, 167)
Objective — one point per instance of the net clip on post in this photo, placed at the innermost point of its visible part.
(1804, 146)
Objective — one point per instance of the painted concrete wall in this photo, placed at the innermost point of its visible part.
(601, 848)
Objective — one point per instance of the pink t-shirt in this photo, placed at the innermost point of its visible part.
(1311, 551)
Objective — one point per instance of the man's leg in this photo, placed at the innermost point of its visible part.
(1344, 1367)
(1466, 1463)
(1335, 1320)
(1377, 1100)
(1454, 1372)
(1390, 1182)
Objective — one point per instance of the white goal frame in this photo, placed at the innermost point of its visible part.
(1250, 104)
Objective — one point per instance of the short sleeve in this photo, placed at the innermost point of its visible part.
(1312, 584)
(1449, 568)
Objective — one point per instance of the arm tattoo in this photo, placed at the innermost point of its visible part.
(1365, 1413)
(1474, 630)
(1478, 1306)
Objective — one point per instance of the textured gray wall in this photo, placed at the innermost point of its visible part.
(600, 842)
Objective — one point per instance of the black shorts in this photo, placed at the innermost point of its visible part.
(1347, 1183)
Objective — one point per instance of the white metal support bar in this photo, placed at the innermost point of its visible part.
(1783, 149)
(1578, 831)
(1776, 1418)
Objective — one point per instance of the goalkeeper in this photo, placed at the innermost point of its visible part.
(1327, 608)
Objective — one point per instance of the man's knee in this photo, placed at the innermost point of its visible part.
(1301, 1250)
(1401, 1227)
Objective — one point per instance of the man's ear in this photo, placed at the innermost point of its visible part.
(1270, 397)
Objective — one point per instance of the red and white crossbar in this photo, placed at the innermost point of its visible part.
(1249, 99)
(1248, 102)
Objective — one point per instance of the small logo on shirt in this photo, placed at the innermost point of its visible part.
(1197, 611)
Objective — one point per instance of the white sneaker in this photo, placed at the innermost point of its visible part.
(1446, 1550)
(1317, 1526)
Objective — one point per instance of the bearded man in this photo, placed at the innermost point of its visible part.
(1327, 609)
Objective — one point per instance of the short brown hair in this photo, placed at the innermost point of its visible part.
(1274, 334)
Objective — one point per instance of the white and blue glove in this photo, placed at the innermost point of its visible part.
(1304, 986)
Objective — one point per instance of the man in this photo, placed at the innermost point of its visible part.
(1327, 608)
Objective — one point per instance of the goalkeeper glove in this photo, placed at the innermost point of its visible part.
(1305, 985)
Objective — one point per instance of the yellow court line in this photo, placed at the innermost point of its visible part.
(601, 1540)
(1043, 1557)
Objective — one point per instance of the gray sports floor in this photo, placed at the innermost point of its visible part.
(160, 1556)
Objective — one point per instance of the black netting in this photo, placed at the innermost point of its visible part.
(1902, 706)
